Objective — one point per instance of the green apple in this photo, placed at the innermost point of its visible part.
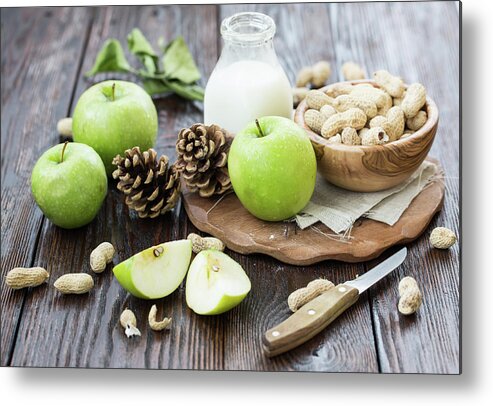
(215, 283)
(114, 116)
(155, 272)
(272, 167)
(69, 184)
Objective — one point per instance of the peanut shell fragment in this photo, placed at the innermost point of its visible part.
(157, 325)
(129, 322)
(374, 136)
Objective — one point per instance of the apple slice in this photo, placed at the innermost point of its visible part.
(157, 271)
(215, 283)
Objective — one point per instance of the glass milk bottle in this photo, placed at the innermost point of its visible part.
(248, 82)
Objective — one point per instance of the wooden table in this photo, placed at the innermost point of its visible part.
(45, 52)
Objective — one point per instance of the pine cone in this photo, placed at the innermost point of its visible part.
(202, 157)
(150, 186)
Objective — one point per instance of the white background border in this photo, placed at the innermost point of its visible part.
(73, 387)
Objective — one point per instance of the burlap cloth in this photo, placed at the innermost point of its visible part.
(338, 208)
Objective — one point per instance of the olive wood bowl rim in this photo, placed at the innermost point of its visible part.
(425, 130)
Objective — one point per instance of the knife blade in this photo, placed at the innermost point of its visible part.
(317, 314)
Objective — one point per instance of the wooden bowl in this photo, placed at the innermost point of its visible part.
(371, 168)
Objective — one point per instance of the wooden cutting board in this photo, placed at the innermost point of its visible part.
(229, 221)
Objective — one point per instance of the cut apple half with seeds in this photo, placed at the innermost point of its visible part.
(215, 283)
(155, 272)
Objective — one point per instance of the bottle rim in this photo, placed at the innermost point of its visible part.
(248, 28)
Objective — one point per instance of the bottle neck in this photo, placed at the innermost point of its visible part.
(249, 34)
(236, 51)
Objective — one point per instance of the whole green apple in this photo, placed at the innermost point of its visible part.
(272, 167)
(114, 116)
(69, 184)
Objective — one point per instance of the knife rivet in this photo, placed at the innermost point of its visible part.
(311, 312)
(342, 289)
(275, 333)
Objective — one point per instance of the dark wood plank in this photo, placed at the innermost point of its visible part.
(84, 331)
(348, 345)
(40, 62)
(420, 42)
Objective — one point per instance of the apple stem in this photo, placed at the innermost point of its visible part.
(113, 92)
(63, 150)
(259, 128)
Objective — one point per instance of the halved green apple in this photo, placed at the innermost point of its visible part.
(215, 283)
(157, 271)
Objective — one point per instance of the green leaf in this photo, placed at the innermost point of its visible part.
(155, 86)
(180, 72)
(147, 75)
(139, 46)
(111, 58)
(190, 92)
(178, 62)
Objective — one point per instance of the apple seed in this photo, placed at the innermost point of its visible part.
(158, 251)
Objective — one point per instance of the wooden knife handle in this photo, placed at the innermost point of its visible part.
(309, 320)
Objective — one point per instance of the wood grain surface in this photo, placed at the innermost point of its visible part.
(45, 52)
(39, 71)
(227, 219)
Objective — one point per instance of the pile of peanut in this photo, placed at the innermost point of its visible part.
(317, 75)
(362, 114)
(314, 76)
(69, 283)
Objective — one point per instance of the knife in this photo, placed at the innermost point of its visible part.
(316, 315)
